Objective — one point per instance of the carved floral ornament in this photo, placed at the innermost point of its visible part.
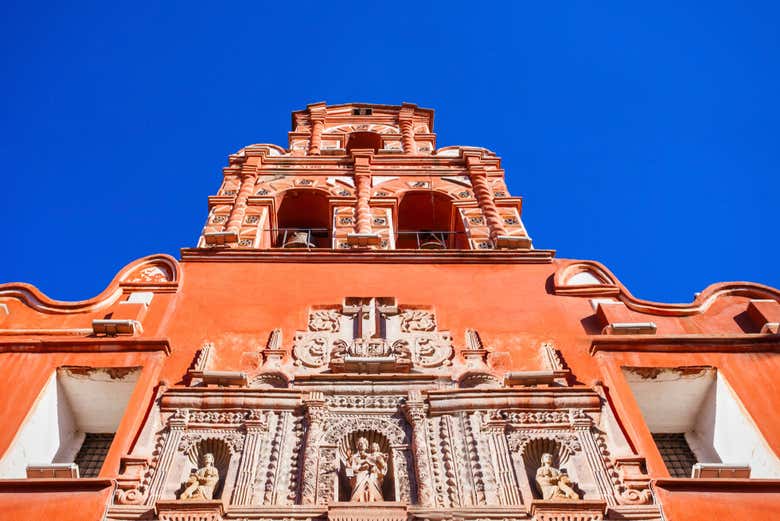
(372, 332)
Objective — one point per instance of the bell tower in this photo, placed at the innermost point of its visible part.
(364, 177)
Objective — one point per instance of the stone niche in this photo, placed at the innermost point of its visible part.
(330, 474)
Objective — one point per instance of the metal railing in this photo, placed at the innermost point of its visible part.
(308, 238)
(301, 237)
(428, 239)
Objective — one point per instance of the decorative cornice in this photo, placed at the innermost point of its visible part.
(206, 398)
(530, 398)
(328, 256)
(743, 343)
(718, 485)
(85, 345)
(55, 485)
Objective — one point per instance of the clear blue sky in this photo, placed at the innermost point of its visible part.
(641, 134)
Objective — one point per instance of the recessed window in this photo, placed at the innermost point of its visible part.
(695, 417)
(73, 420)
(676, 453)
(93, 453)
(362, 112)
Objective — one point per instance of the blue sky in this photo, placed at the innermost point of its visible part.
(643, 135)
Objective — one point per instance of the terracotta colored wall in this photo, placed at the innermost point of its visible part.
(84, 500)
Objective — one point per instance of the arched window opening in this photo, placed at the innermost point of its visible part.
(425, 221)
(303, 220)
(364, 140)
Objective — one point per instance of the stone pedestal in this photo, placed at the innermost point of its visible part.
(573, 510)
(182, 510)
(378, 511)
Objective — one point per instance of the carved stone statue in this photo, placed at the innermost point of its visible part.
(553, 483)
(202, 482)
(366, 472)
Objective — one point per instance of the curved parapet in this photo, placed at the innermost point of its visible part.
(157, 273)
(593, 279)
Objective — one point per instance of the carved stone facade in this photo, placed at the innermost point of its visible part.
(404, 354)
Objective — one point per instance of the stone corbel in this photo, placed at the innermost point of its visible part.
(131, 474)
(636, 484)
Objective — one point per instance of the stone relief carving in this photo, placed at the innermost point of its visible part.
(416, 320)
(366, 471)
(372, 335)
(554, 483)
(202, 482)
(324, 320)
(233, 439)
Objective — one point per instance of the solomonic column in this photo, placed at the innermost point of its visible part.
(482, 192)
(363, 235)
(317, 117)
(239, 206)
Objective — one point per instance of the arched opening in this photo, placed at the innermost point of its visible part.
(303, 220)
(426, 220)
(364, 140)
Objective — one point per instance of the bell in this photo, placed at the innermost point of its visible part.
(298, 240)
(432, 241)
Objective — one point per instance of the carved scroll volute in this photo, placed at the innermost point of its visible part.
(315, 417)
(415, 412)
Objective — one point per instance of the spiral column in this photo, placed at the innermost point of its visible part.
(407, 136)
(316, 136)
(363, 235)
(239, 207)
(484, 197)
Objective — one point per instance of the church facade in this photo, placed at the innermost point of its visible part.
(364, 331)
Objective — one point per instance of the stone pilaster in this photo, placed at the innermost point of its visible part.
(415, 411)
(176, 426)
(255, 433)
(506, 481)
(315, 417)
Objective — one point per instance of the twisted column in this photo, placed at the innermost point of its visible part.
(239, 207)
(407, 136)
(484, 197)
(363, 235)
(362, 208)
(316, 136)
